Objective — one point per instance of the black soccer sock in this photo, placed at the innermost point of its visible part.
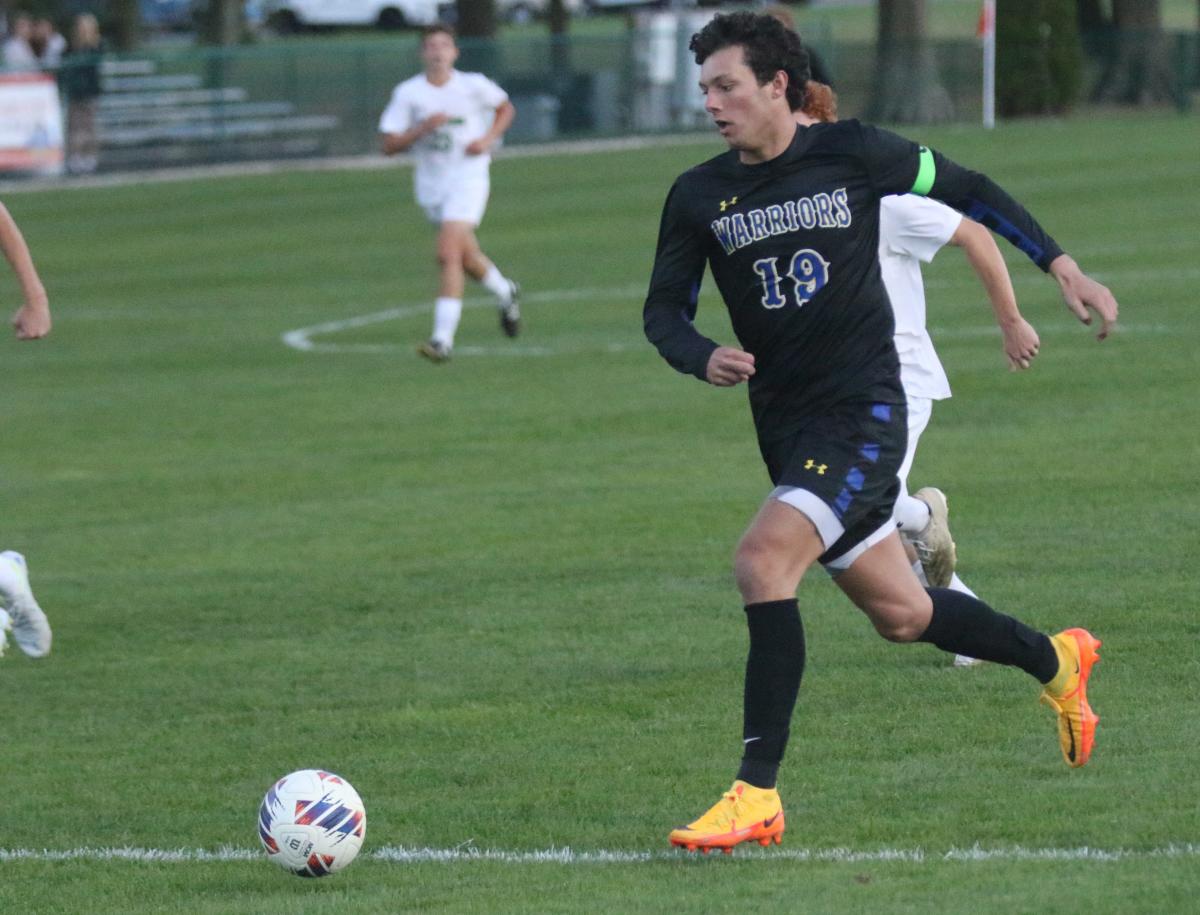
(966, 625)
(773, 671)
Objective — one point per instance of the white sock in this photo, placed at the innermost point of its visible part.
(497, 284)
(956, 584)
(446, 314)
(911, 514)
(920, 573)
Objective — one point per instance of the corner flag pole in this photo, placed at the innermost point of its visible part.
(987, 34)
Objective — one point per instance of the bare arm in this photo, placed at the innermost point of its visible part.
(1081, 293)
(1020, 339)
(505, 112)
(394, 143)
(32, 319)
(977, 195)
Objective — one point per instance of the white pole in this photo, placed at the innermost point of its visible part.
(987, 31)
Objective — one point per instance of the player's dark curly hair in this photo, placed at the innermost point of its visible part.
(768, 47)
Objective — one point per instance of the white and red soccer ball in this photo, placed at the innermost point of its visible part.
(312, 823)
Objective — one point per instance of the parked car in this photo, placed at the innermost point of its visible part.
(293, 15)
(515, 11)
(166, 15)
(603, 6)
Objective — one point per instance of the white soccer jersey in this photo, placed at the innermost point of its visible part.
(470, 101)
(911, 231)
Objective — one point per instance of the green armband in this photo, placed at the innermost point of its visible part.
(926, 172)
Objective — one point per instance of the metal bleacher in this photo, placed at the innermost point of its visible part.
(148, 119)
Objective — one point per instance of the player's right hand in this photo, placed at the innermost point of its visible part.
(434, 121)
(1021, 344)
(32, 321)
(728, 366)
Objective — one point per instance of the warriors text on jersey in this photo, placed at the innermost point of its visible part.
(793, 245)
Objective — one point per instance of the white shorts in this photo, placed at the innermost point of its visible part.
(920, 411)
(460, 201)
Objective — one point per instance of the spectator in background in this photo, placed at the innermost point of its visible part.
(47, 43)
(18, 46)
(79, 77)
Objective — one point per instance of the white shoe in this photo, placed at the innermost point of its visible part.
(30, 628)
(5, 629)
(962, 660)
(934, 545)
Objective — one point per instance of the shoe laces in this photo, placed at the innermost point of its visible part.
(722, 814)
(922, 549)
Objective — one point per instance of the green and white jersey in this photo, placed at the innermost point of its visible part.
(470, 101)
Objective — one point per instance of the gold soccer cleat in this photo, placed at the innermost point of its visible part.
(744, 814)
(1067, 694)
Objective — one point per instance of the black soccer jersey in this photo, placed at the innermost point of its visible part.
(793, 245)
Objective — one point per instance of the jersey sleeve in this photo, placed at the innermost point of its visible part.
(916, 227)
(675, 290)
(979, 197)
(899, 166)
(490, 94)
(397, 116)
(891, 161)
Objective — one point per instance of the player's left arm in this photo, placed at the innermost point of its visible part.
(983, 254)
(980, 198)
(505, 112)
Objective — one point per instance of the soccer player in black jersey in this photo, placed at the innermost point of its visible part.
(787, 220)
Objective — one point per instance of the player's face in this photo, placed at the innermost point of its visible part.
(439, 52)
(743, 111)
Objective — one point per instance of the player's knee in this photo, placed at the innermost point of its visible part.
(758, 568)
(899, 623)
(449, 251)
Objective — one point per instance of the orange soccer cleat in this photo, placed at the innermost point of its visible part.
(744, 814)
(1067, 694)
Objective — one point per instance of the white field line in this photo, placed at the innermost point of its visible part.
(400, 854)
(302, 338)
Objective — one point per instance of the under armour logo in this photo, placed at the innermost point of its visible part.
(810, 464)
(725, 204)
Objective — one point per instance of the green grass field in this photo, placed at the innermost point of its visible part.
(496, 595)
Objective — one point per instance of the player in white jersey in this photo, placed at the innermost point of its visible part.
(451, 120)
(19, 612)
(911, 231)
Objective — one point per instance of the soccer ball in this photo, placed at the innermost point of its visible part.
(312, 823)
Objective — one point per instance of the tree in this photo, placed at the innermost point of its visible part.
(1039, 61)
(221, 22)
(907, 87)
(557, 21)
(1137, 58)
(477, 18)
(124, 25)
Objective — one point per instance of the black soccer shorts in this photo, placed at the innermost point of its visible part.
(840, 471)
